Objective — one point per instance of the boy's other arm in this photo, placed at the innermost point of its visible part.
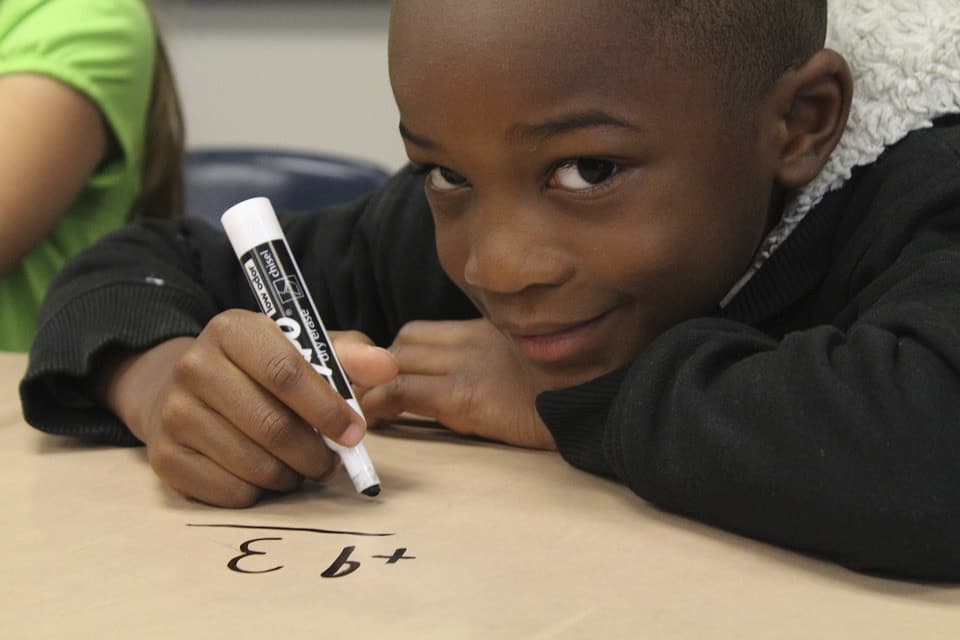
(467, 376)
(840, 438)
(53, 139)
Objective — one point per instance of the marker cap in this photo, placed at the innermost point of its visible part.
(251, 223)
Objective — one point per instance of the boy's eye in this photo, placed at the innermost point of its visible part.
(443, 179)
(582, 173)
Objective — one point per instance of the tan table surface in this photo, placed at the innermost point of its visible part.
(499, 543)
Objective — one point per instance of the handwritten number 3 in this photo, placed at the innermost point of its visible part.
(234, 564)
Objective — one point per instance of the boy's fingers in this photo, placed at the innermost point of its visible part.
(259, 349)
(196, 476)
(350, 337)
(424, 395)
(440, 332)
(418, 358)
(218, 438)
(270, 435)
(366, 365)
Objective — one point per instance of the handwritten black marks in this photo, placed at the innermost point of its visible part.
(341, 566)
(344, 566)
(398, 554)
(234, 564)
(303, 529)
(336, 569)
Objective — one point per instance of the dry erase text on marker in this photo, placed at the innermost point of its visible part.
(291, 329)
(312, 328)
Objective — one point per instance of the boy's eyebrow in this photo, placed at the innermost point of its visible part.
(418, 140)
(570, 122)
(557, 126)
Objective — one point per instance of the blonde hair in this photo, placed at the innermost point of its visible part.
(161, 189)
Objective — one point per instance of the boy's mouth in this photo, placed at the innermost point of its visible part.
(557, 342)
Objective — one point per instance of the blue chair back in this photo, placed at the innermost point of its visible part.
(298, 182)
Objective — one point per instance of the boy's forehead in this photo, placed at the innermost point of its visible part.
(530, 27)
(551, 46)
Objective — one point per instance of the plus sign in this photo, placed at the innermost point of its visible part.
(397, 555)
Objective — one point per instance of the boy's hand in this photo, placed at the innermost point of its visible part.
(465, 375)
(237, 411)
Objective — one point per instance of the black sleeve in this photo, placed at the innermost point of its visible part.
(371, 265)
(840, 437)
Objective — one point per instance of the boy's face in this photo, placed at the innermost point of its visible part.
(586, 194)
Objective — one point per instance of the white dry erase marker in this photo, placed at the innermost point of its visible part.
(282, 294)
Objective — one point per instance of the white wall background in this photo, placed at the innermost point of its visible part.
(301, 74)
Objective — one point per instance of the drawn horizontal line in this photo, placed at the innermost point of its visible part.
(303, 529)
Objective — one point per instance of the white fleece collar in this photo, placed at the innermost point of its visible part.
(905, 59)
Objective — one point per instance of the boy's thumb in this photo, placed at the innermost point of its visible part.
(367, 365)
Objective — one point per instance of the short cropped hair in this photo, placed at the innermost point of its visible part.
(749, 42)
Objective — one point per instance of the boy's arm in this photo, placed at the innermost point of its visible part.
(840, 439)
(136, 288)
(154, 281)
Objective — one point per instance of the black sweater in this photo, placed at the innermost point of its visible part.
(820, 410)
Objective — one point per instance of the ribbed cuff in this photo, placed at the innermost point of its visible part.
(56, 389)
(577, 420)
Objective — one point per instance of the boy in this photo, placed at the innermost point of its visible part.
(618, 190)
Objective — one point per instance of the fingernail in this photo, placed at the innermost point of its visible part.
(353, 434)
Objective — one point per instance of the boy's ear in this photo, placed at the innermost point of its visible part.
(808, 108)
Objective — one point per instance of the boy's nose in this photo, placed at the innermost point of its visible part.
(509, 253)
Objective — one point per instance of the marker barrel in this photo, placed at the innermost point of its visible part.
(282, 294)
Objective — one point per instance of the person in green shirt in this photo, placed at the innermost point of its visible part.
(93, 137)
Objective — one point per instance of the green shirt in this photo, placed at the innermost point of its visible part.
(105, 49)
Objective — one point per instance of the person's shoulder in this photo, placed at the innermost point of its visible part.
(400, 195)
(912, 180)
(72, 16)
(396, 209)
(930, 155)
(69, 32)
(104, 49)
(941, 141)
(945, 133)
(403, 189)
